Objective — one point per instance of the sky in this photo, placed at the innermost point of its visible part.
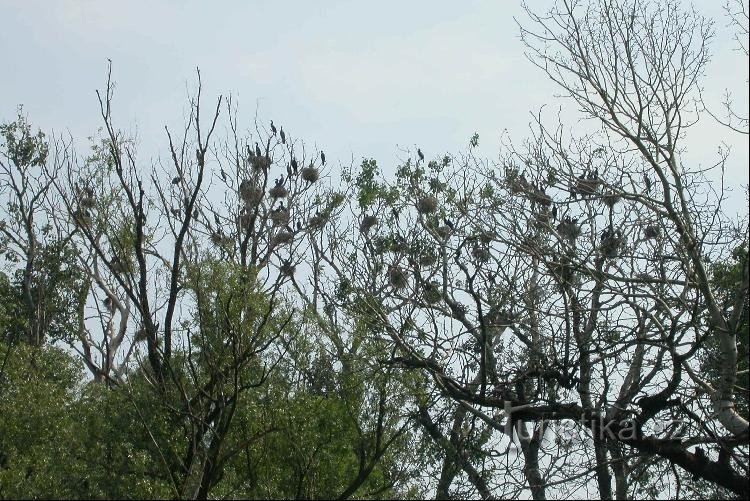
(358, 79)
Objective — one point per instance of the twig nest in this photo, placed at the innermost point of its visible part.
(611, 199)
(611, 243)
(280, 217)
(260, 162)
(427, 258)
(367, 223)
(588, 186)
(282, 237)
(317, 221)
(243, 220)
(444, 232)
(310, 174)
(81, 216)
(217, 238)
(543, 217)
(569, 228)
(287, 268)
(397, 277)
(250, 193)
(119, 265)
(278, 191)
(538, 196)
(427, 205)
(651, 232)
(431, 293)
(481, 253)
(564, 271)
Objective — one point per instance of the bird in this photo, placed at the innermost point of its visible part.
(283, 136)
(295, 166)
(257, 150)
(554, 212)
(647, 181)
(420, 154)
(223, 175)
(273, 128)
(449, 223)
(323, 157)
(176, 180)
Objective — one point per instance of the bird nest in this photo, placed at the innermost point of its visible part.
(587, 186)
(569, 228)
(317, 221)
(427, 205)
(280, 217)
(282, 237)
(278, 191)
(287, 269)
(397, 277)
(250, 193)
(612, 243)
(310, 174)
(427, 258)
(481, 253)
(651, 232)
(431, 293)
(260, 162)
(367, 223)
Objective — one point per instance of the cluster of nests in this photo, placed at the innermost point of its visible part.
(399, 279)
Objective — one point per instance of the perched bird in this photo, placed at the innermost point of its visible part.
(554, 212)
(223, 175)
(283, 136)
(420, 154)
(295, 166)
(323, 157)
(176, 180)
(257, 150)
(273, 128)
(647, 181)
(449, 223)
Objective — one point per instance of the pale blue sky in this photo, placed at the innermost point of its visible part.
(355, 78)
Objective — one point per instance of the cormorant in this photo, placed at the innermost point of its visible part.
(257, 150)
(647, 181)
(421, 155)
(273, 128)
(449, 223)
(323, 157)
(294, 166)
(283, 136)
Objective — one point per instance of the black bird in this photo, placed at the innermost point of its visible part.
(295, 166)
(223, 175)
(323, 157)
(283, 136)
(257, 150)
(273, 128)
(216, 218)
(299, 224)
(449, 223)
(554, 212)
(249, 151)
(647, 181)
(420, 154)
(176, 180)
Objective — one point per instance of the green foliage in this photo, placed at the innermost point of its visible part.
(726, 276)
(23, 148)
